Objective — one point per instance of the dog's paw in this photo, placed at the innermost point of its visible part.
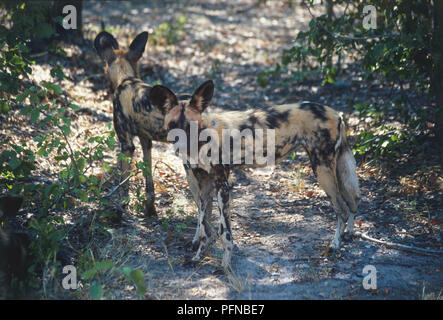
(191, 245)
(334, 245)
(219, 272)
(150, 209)
(189, 262)
(348, 236)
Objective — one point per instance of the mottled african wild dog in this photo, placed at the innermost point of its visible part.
(319, 129)
(133, 114)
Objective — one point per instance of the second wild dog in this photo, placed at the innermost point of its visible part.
(133, 113)
(319, 129)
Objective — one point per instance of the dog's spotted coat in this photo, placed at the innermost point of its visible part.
(318, 128)
(133, 113)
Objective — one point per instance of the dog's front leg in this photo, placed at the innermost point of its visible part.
(149, 203)
(202, 191)
(223, 191)
(127, 148)
(125, 137)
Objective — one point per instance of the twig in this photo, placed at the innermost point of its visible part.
(39, 54)
(96, 75)
(159, 161)
(397, 245)
(375, 138)
(117, 186)
(26, 179)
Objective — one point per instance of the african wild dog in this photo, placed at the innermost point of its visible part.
(133, 114)
(319, 129)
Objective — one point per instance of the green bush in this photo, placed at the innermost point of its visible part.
(49, 110)
(405, 47)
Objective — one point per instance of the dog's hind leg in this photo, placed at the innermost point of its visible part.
(149, 203)
(328, 181)
(348, 183)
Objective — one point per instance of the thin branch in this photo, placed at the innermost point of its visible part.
(159, 161)
(118, 186)
(26, 179)
(397, 245)
(376, 137)
(339, 36)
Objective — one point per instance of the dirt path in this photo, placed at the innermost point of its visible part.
(282, 222)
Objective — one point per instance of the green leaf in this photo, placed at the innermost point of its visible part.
(89, 274)
(96, 291)
(82, 195)
(43, 30)
(52, 87)
(139, 280)
(104, 265)
(14, 163)
(35, 114)
(126, 271)
(22, 96)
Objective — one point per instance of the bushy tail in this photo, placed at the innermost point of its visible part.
(347, 172)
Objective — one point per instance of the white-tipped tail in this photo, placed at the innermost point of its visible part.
(347, 174)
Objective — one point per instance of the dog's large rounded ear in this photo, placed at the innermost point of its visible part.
(105, 44)
(137, 47)
(202, 96)
(162, 98)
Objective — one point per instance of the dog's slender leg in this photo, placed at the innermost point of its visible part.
(328, 181)
(125, 166)
(350, 224)
(223, 198)
(195, 190)
(202, 190)
(127, 147)
(149, 203)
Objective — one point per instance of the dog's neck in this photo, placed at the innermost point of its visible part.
(119, 71)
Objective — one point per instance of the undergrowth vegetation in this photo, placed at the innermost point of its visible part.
(49, 110)
(401, 53)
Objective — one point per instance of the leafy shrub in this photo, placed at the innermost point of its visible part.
(169, 33)
(48, 110)
(403, 48)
